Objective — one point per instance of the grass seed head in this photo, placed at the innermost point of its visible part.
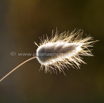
(63, 50)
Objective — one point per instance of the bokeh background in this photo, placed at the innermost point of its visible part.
(21, 23)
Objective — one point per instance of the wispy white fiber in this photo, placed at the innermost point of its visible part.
(63, 50)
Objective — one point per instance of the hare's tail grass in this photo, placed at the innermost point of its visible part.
(16, 68)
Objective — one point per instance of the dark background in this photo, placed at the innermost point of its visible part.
(24, 21)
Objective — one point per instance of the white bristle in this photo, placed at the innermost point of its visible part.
(63, 50)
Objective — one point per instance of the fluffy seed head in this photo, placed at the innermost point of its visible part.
(63, 50)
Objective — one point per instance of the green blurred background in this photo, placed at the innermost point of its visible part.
(21, 23)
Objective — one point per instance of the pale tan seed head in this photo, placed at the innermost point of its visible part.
(63, 50)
